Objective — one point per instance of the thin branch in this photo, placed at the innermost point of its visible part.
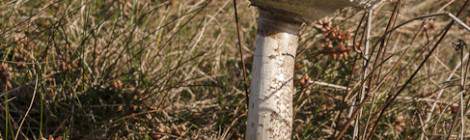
(29, 108)
(242, 58)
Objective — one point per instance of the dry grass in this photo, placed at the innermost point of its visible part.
(167, 69)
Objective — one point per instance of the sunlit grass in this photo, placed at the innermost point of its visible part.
(158, 69)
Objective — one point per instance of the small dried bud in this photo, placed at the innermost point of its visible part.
(334, 39)
(304, 81)
(117, 84)
(429, 26)
(5, 77)
(455, 109)
(400, 124)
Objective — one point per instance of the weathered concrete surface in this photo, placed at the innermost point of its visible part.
(310, 10)
(270, 112)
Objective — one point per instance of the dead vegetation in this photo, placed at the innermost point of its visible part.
(168, 69)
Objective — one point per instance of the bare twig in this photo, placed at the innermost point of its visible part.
(29, 108)
(240, 50)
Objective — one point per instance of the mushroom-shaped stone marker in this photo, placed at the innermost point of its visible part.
(270, 108)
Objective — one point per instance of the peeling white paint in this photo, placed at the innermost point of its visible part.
(271, 111)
